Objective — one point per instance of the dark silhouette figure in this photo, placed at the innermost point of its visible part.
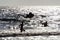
(45, 23)
(30, 15)
(22, 27)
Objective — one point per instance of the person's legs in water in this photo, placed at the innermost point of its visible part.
(22, 27)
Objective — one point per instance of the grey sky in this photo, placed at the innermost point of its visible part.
(28, 2)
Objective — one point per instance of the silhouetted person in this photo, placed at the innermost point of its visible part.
(22, 27)
(45, 24)
(30, 15)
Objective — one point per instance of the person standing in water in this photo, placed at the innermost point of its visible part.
(22, 29)
(30, 15)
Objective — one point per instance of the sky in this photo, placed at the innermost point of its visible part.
(29, 2)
